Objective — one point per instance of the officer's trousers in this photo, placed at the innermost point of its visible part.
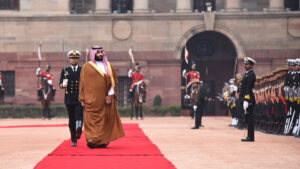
(75, 113)
(198, 116)
(250, 121)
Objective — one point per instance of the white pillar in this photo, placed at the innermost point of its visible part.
(102, 6)
(140, 6)
(276, 5)
(183, 6)
(233, 5)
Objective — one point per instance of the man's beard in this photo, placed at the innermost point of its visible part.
(97, 58)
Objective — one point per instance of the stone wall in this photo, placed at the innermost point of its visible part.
(157, 39)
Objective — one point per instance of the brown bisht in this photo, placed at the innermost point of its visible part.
(102, 122)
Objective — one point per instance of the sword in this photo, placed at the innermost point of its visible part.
(40, 59)
(291, 121)
(63, 55)
(245, 113)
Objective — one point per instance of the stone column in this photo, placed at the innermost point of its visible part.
(233, 5)
(276, 5)
(140, 6)
(102, 6)
(183, 6)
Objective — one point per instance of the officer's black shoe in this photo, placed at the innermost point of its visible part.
(74, 143)
(248, 139)
(78, 132)
(201, 126)
(195, 127)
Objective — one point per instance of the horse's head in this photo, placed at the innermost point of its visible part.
(142, 89)
(44, 81)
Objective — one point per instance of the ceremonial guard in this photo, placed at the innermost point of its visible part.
(69, 80)
(290, 86)
(49, 77)
(231, 101)
(1, 90)
(137, 77)
(189, 77)
(247, 97)
(193, 74)
(197, 101)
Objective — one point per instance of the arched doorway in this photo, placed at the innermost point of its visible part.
(215, 56)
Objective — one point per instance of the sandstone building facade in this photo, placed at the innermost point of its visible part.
(158, 31)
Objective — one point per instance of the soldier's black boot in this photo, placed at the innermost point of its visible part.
(130, 96)
(247, 139)
(78, 129)
(195, 127)
(53, 94)
(39, 94)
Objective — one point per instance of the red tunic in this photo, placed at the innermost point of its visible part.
(49, 77)
(193, 75)
(136, 77)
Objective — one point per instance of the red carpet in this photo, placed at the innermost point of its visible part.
(39, 125)
(134, 151)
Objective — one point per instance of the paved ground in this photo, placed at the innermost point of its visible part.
(216, 146)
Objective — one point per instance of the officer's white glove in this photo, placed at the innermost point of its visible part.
(38, 70)
(183, 73)
(195, 107)
(245, 105)
(129, 72)
(50, 82)
(187, 96)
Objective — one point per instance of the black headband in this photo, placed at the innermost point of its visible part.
(96, 47)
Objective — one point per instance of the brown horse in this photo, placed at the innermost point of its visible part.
(46, 93)
(138, 100)
(1, 94)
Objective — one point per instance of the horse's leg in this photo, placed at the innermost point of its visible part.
(46, 115)
(49, 110)
(137, 111)
(141, 111)
(44, 111)
(131, 114)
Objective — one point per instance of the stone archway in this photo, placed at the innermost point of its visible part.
(234, 37)
(215, 55)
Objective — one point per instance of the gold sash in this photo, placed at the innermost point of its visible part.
(102, 74)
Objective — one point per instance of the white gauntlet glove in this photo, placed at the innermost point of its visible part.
(129, 72)
(245, 105)
(183, 73)
(187, 97)
(195, 107)
(38, 70)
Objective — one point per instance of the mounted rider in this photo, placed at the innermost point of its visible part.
(137, 78)
(1, 85)
(49, 77)
(190, 77)
(1, 89)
